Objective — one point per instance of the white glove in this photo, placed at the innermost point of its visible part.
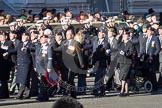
(108, 51)
(90, 70)
(121, 52)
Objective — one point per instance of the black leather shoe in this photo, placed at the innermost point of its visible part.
(26, 97)
(102, 94)
(19, 97)
(73, 96)
(126, 94)
(42, 100)
(96, 94)
(122, 95)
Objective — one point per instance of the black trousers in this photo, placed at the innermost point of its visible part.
(24, 90)
(43, 89)
(4, 93)
(99, 81)
(70, 81)
(34, 83)
(149, 70)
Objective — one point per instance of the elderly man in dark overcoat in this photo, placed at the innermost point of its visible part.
(24, 66)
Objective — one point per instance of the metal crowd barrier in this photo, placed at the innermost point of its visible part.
(57, 26)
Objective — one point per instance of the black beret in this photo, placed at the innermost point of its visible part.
(36, 32)
(131, 30)
(13, 32)
(126, 33)
(146, 25)
(58, 32)
(44, 36)
(103, 29)
(26, 34)
(150, 28)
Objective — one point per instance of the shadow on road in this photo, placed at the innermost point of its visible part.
(21, 102)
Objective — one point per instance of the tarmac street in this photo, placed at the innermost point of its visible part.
(111, 100)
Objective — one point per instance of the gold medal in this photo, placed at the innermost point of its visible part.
(43, 55)
(153, 44)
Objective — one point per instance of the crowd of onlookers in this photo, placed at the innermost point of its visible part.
(58, 17)
(91, 44)
(30, 17)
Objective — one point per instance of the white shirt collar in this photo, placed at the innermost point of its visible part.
(35, 40)
(59, 42)
(111, 38)
(101, 40)
(44, 45)
(13, 40)
(25, 43)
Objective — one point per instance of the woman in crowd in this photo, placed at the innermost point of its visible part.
(125, 60)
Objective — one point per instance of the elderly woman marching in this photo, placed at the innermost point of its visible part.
(125, 49)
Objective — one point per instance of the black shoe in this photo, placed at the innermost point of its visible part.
(102, 94)
(96, 94)
(19, 97)
(126, 94)
(11, 93)
(26, 97)
(73, 96)
(122, 95)
(4, 97)
(65, 94)
(81, 93)
(42, 99)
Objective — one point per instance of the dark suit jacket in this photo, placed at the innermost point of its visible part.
(160, 54)
(43, 59)
(57, 55)
(141, 40)
(33, 48)
(9, 46)
(4, 67)
(101, 53)
(136, 44)
(128, 49)
(14, 56)
(24, 62)
(70, 55)
(153, 48)
(113, 48)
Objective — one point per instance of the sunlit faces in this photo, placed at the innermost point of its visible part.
(3, 37)
(33, 36)
(68, 14)
(12, 36)
(101, 35)
(58, 37)
(44, 39)
(25, 38)
(126, 36)
(150, 32)
(110, 34)
(153, 18)
(69, 34)
(144, 29)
